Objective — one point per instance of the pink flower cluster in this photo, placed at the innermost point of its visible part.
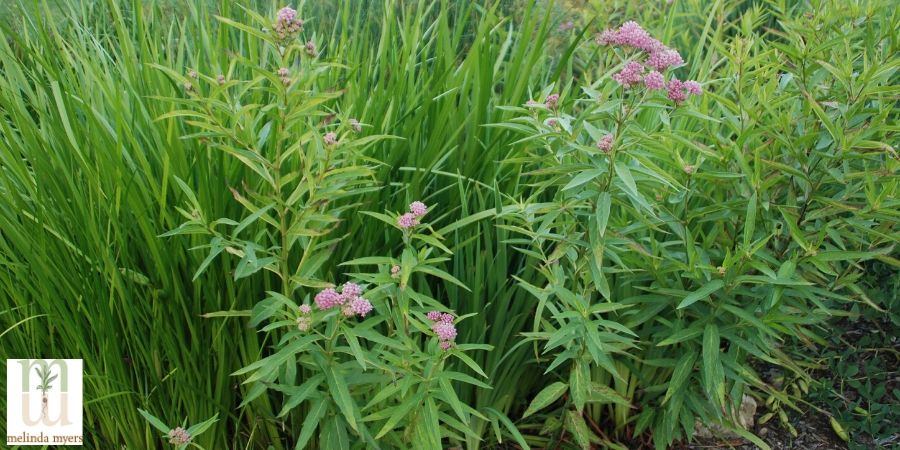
(678, 90)
(285, 76)
(179, 436)
(551, 101)
(658, 58)
(408, 220)
(287, 24)
(330, 138)
(355, 125)
(304, 322)
(631, 75)
(606, 142)
(349, 300)
(443, 327)
(310, 48)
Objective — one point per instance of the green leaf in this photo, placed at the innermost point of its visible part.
(602, 214)
(701, 293)
(341, 395)
(158, 424)
(354, 346)
(300, 393)
(441, 274)
(601, 393)
(400, 411)
(311, 422)
(582, 178)
(682, 372)
(579, 429)
(547, 396)
(713, 372)
(750, 222)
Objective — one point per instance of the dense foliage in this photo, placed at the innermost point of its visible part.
(443, 224)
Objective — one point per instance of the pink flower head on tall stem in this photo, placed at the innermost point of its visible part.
(551, 101)
(606, 142)
(287, 25)
(654, 80)
(304, 323)
(351, 290)
(330, 138)
(407, 221)
(357, 307)
(434, 316)
(664, 58)
(328, 298)
(693, 87)
(179, 436)
(418, 208)
(445, 331)
(631, 75)
(675, 90)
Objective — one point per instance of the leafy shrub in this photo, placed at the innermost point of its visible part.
(676, 246)
(354, 362)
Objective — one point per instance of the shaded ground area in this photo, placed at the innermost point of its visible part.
(857, 382)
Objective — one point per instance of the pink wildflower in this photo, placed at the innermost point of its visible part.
(445, 345)
(283, 72)
(357, 307)
(606, 37)
(693, 87)
(220, 79)
(551, 101)
(330, 138)
(407, 220)
(447, 317)
(395, 270)
(675, 90)
(305, 309)
(179, 436)
(304, 323)
(310, 47)
(654, 80)
(355, 126)
(328, 298)
(630, 34)
(445, 331)
(664, 58)
(606, 142)
(361, 306)
(287, 24)
(418, 208)
(434, 316)
(630, 75)
(351, 290)
(689, 169)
